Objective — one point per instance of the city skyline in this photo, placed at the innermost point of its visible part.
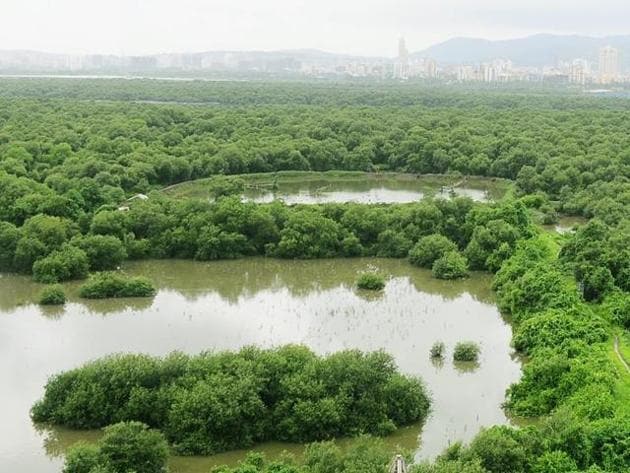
(605, 70)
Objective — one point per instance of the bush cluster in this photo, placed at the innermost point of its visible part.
(450, 266)
(214, 402)
(466, 351)
(52, 295)
(124, 447)
(364, 455)
(371, 281)
(114, 285)
(438, 349)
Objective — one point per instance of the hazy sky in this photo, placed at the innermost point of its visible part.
(353, 26)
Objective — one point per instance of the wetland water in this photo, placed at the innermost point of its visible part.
(318, 188)
(385, 191)
(264, 302)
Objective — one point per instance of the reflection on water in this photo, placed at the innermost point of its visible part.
(58, 440)
(368, 191)
(569, 224)
(264, 302)
(566, 224)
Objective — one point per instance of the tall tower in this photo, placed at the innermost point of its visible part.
(608, 65)
(401, 68)
(403, 53)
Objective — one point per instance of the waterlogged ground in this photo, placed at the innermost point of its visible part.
(264, 302)
(365, 188)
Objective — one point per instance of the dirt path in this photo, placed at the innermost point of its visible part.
(619, 355)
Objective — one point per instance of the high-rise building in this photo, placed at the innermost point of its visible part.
(430, 68)
(403, 53)
(578, 71)
(488, 73)
(608, 65)
(401, 68)
(466, 73)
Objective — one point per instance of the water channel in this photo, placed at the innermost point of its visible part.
(265, 302)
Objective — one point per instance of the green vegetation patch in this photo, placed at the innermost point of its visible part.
(255, 395)
(371, 281)
(466, 351)
(114, 285)
(125, 446)
(451, 266)
(438, 350)
(52, 295)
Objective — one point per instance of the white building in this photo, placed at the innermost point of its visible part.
(401, 67)
(430, 69)
(579, 71)
(608, 65)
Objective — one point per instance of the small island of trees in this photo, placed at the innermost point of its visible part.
(254, 395)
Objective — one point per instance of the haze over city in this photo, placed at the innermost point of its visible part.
(365, 27)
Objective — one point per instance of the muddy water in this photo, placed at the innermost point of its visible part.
(264, 302)
(369, 191)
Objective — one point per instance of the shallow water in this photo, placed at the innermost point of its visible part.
(368, 191)
(264, 302)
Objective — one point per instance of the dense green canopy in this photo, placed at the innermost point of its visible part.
(72, 154)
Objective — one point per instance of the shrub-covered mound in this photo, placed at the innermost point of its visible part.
(466, 351)
(371, 282)
(438, 349)
(105, 285)
(219, 401)
(126, 446)
(52, 295)
(451, 266)
(429, 249)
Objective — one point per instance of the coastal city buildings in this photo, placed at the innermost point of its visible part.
(604, 68)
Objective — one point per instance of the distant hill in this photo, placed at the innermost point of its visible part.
(538, 50)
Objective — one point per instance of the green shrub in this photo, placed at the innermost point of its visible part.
(499, 450)
(393, 244)
(549, 215)
(554, 462)
(286, 394)
(52, 295)
(106, 285)
(556, 328)
(124, 447)
(438, 349)
(552, 376)
(450, 266)
(429, 249)
(371, 281)
(62, 265)
(222, 186)
(540, 287)
(466, 351)
(617, 305)
(103, 251)
(364, 455)
(83, 458)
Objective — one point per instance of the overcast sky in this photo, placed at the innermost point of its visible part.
(369, 27)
